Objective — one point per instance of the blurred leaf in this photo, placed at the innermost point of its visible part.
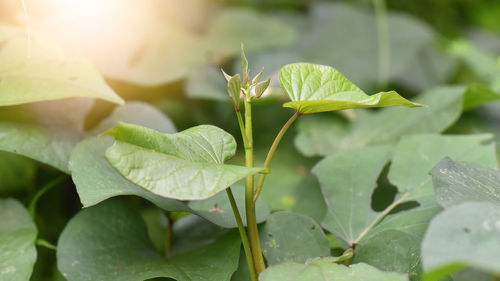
(465, 234)
(458, 182)
(444, 106)
(17, 241)
(17, 173)
(289, 237)
(45, 72)
(325, 269)
(233, 26)
(51, 133)
(110, 242)
(192, 160)
(217, 209)
(347, 182)
(205, 82)
(317, 88)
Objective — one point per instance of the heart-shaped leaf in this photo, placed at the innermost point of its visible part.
(318, 88)
(45, 73)
(185, 166)
(17, 241)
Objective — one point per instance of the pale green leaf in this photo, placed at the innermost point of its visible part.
(325, 269)
(458, 182)
(185, 166)
(110, 242)
(17, 241)
(289, 237)
(467, 234)
(347, 182)
(51, 132)
(45, 72)
(317, 88)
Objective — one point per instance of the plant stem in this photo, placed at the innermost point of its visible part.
(46, 244)
(270, 154)
(383, 42)
(243, 235)
(253, 232)
(53, 183)
(242, 128)
(169, 235)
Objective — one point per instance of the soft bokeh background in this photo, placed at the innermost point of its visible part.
(169, 54)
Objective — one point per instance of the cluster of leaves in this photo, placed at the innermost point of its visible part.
(398, 194)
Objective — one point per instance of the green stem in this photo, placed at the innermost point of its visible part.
(383, 42)
(169, 235)
(253, 232)
(243, 234)
(242, 128)
(270, 154)
(45, 188)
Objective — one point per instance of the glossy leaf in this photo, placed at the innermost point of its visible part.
(325, 269)
(289, 237)
(110, 242)
(17, 241)
(316, 88)
(463, 235)
(185, 166)
(459, 182)
(47, 74)
(347, 182)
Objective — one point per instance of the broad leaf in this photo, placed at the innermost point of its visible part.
(47, 132)
(289, 237)
(110, 242)
(323, 135)
(325, 269)
(316, 88)
(347, 181)
(17, 241)
(399, 234)
(457, 182)
(464, 235)
(17, 173)
(186, 166)
(45, 72)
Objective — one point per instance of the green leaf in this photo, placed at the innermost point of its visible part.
(255, 30)
(464, 235)
(459, 182)
(325, 269)
(17, 241)
(394, 243)
(217, 209)
(185, 166)
(289, 237)
(233, 89)
(323, 135)
(17, 173)
(316, 88)
(110, 242)
(50, 132)
(48, 74)
(204, 82)
(347, 181)
(261, 87)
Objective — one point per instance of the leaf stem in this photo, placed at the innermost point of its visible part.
(383, 42)
(379, 219)
(46, 244)
(253, 232)
(270, 154)
(169, 235)
(242, 127)
(243, 235)
(53, 183)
